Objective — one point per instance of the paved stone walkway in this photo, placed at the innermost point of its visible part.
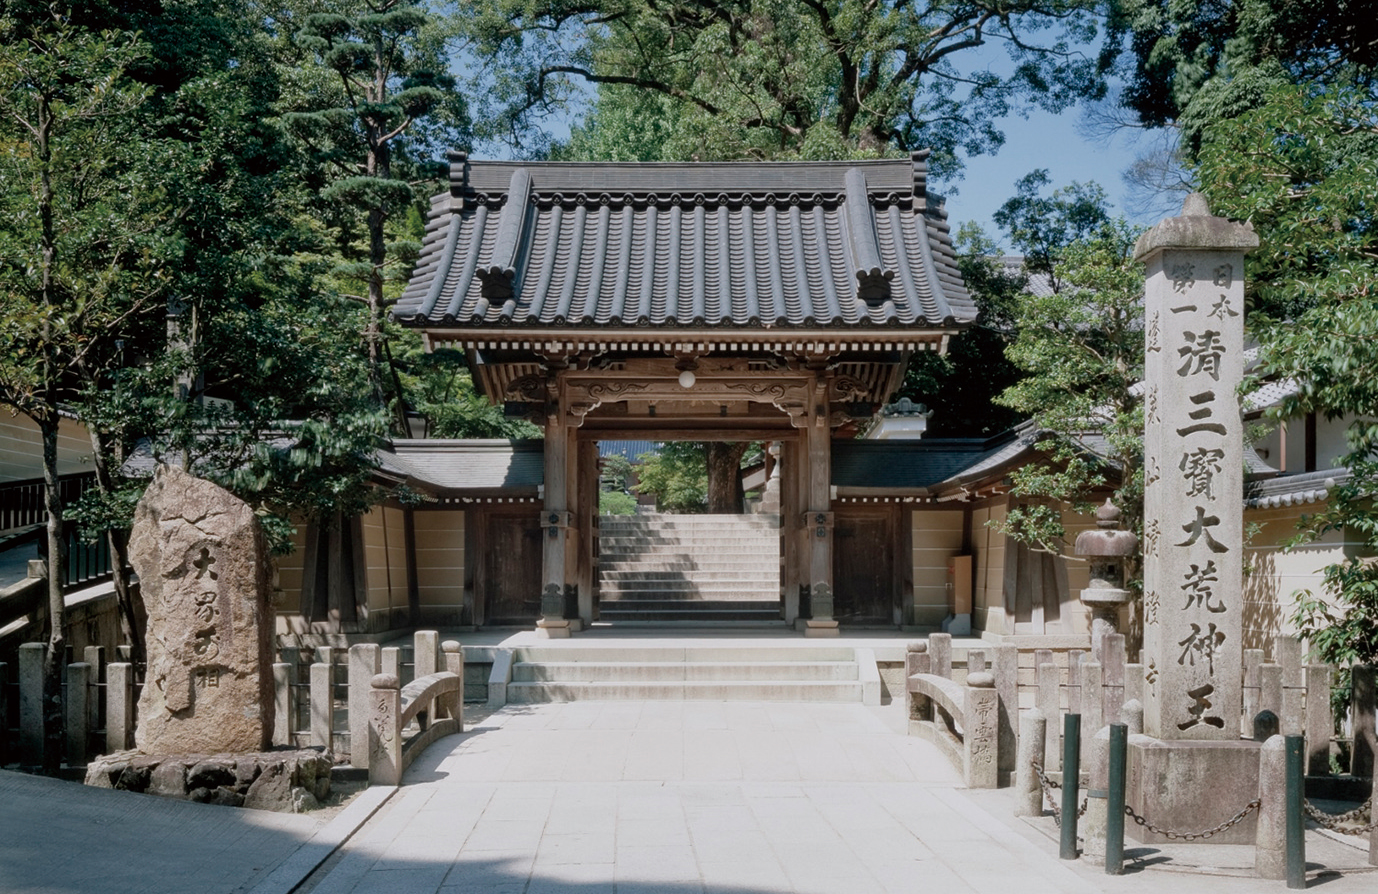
(593, 797)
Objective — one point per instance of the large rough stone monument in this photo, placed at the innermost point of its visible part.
(204, 571)
(1191, 767)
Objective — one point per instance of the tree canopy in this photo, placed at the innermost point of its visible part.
(781, 78)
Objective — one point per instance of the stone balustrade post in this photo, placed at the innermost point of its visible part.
(78, 712)
(1075, 687)
(391, 661)
(1253, 660)
(1361, 709)
(1373, 834)
(981, 731)
(1320, 722)
(282, 702)
(940, 654)
(1050, 703)
(976, 661)
(363, 665)
(425, 653)
(323, 704)
(1092, 716)
(1112, 677)
(916, 659)
(1095, 761)
(1028, 791)
(454, 663)
(94, 656)
(31, 703)
(1006, 668)
(4, 712)
(1293, 704)
(1270, 845)
(384, 731)
(1133, 684)
(1269, 689)
(119, 706)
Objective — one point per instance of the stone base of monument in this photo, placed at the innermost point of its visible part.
(1189, 787)
(284, 781)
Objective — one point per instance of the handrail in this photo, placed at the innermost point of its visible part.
(21, 502)
(435, 702)
(963, 720)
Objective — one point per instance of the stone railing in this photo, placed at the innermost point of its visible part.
(960, 719)
(405, 720)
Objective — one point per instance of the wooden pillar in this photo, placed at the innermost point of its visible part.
(791, 519)
(587, 520)
(819, 522)
(555, 525)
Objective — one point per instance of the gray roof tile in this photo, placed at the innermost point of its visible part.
(470, 465)
(741, 245)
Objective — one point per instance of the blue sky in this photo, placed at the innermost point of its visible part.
(1043, 140)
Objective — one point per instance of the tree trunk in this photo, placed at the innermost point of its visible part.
(53, 715)
(725, 495)
(119, 550)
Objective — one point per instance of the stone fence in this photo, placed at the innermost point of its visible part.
(432, 705)
(959, 718)
(323, 702)
(1295, 694)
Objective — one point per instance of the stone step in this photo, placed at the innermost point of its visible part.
(787, 691)
(741, 545)
(675, 671)
(699, 575)
(601, 654)
(669, 615)
(680, 561)
(669, 520)
(682, 598)
(689, 602)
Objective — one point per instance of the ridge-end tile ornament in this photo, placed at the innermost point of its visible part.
(206, 578)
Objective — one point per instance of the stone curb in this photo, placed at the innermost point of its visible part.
(317, 849)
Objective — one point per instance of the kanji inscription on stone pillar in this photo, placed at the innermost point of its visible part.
(1193, 461)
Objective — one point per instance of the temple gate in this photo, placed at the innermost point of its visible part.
(706, 302)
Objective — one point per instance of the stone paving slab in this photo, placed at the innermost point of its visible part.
(624, 797)
(63, 838)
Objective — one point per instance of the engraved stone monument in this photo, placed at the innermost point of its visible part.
(1193, 473)
(205, 573)
(1191, 765)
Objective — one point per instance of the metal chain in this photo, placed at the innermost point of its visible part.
(1334, 822)
(1049, 786)
(1192, 836)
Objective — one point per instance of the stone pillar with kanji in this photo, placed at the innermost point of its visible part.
(1193, 474)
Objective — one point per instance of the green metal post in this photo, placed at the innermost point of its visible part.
(1114, 807)
(1295, 750)
(1071, 783)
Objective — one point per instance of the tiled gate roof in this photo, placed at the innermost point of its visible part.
(805, 245)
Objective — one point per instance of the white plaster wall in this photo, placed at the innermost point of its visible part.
(440, 558)
(21, 448)
(937, 537)
(988, 549)
(385, 558)
(1274, 575)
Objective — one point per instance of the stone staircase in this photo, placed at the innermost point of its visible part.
(697, 568)
(718, 673)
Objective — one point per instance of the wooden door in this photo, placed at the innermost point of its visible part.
(866, 587)
(509, 586)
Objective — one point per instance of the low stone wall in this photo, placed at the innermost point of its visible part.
(284, 781)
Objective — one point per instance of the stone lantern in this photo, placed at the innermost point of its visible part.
(1106, 549)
